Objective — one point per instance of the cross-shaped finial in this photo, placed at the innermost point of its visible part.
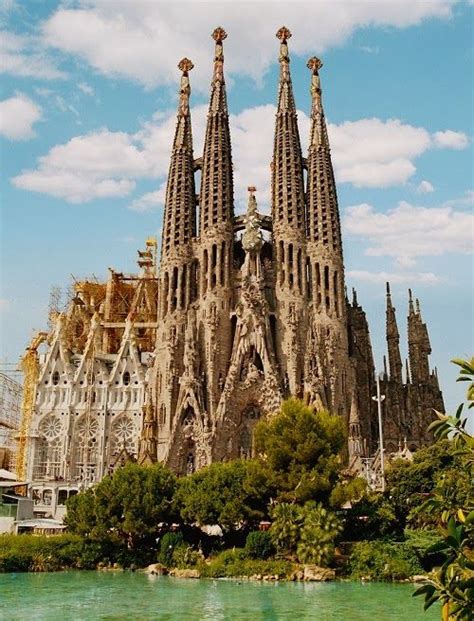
(219, 34)
(314, 63)
(252, 189)
(185, 65)
(283, 34)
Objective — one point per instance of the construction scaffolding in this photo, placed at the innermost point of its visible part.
(10, 412)
(30, 368)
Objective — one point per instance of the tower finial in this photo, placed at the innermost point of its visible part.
(283, 34)
(185, 65)
(387, 284)
(219, 34)
(410, 302)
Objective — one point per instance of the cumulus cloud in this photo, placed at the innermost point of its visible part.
(142, 40)
(425, 187)
(451, 140)
(395, 278)
(97, 165)
(18, 114)
(24, 56)
(408, 231)
(366, 153)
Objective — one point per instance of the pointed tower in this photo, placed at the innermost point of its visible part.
(355, 436)
(393, 341)
(419, 346)
(179, 223)
(177, 273)
(215, 246)
(289, 230)
(325, 267)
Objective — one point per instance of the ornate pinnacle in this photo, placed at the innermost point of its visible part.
(185, 65)
(219, 34)
(314, 63)
(252, 189)
(283, 34)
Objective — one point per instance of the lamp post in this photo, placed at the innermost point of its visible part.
(379, 398)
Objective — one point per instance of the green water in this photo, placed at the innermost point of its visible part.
(85, 595)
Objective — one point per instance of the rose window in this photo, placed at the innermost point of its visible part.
(50, 428)
(123, 435)
(87, 430)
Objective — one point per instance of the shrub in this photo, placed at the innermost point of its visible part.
(384, 561)
(184, 556)
(168, 543)
(319, 530)
(234, 564)
(259, 545)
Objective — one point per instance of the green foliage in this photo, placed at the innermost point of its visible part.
(346, 491)
(184, 557)
(235, 563)
(285, 528)
(319, 530)
(372, 517)
(309, 531)
(217, 494)
(409, 483)
(380, 560)
(259, 545)
(299, 452)
(168, 543)
(128, 505)
(39, 553)
(452, 583)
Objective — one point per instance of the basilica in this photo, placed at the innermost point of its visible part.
(178, 362)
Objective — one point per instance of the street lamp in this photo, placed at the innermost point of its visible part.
(379, 398)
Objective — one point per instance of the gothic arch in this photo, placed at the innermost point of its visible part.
(48, 453)
(86, 448)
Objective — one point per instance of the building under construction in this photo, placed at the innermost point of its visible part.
(179, 362)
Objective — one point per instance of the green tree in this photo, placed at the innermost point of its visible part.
(285, 528)
(128, 505)
(320, 528)
(217, 494)
(298, 452)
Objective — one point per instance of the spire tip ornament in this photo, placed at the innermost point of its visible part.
(283, 34)
(314, 63)
(219, 34)
(185, 65)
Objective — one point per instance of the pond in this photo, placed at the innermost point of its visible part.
(82, 595)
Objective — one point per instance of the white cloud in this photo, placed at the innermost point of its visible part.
(366, 153)
(425, 187)
(96, 165)
(423, 278)
(23, 56)
(150, 200)
(18, 114)
(451, 140)
(406, 231)
(143, 40)
(85, 88)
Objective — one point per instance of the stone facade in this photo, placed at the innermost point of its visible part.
(179, 363)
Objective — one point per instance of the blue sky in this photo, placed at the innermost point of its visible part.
(87, 110)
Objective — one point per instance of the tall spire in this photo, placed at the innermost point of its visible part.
(323, 224)
(355, 438)
(419, 346)
(217, 191)
(287, 165)
(393, 341)
(179, 224)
